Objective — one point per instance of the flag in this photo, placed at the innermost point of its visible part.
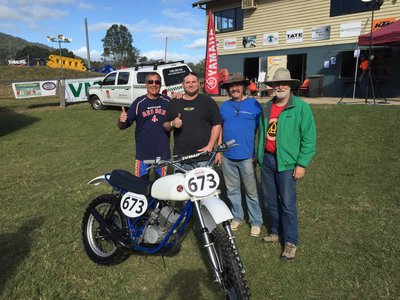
(211, 76)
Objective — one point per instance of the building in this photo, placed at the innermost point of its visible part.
(315, 39)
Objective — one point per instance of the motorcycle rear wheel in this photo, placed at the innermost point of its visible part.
(233, 282)
(97, 244)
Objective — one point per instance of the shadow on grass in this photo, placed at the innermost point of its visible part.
(15, 247)
(40, 105)
(11, 121)
(187, 284)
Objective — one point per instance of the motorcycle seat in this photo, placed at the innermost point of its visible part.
(129, 182)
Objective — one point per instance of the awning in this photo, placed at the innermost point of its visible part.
(386, 36)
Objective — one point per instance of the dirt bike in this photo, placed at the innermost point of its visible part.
(141, 216)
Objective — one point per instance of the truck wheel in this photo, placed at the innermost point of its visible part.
(96, 103)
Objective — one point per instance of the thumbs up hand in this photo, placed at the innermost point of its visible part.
(123, 117)
(178, 121)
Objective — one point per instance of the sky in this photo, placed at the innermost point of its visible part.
(150, 23)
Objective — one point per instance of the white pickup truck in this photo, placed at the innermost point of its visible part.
(122, 87)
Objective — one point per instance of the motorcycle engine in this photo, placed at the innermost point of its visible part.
(159, 226)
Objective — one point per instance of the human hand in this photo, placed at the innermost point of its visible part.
(298, 172)
(218, 159)
(123, 117)
(177, 121)
(177, 95)
(205, 149)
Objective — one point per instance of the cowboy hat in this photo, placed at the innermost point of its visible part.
(235, 78)
(282, 75)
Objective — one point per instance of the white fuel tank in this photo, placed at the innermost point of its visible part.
(170, 187)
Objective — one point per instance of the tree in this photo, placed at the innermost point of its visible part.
(117, 45)
(64, 53)
(198, 68)
(32, 52)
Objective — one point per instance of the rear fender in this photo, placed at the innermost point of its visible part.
(98, 180)
(214, 212)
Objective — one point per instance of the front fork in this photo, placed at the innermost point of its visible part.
(208, 245)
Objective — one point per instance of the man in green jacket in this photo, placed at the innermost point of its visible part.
(287, 140)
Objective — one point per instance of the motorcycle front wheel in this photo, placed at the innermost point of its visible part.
(97, 244)
(233, 282)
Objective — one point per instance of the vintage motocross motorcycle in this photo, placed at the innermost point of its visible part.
(141, 216)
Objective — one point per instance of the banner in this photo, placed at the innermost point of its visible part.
(76, 90)
(34, 89)
(211, 80)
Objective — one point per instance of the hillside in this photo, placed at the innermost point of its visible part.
(10, 74)
(9, 45)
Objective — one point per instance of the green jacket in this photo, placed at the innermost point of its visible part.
(296, 134)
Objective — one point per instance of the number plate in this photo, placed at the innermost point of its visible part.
(133, 205)
(201, 182)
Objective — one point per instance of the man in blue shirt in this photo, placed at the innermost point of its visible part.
(240, 118)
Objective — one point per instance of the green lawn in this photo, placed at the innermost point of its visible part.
(348, 204)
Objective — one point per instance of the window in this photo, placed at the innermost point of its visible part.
(123, 78)
(347, 7)
(110, 79)
(141, 77)
(380, 65)
(228, 20)
(174, 75)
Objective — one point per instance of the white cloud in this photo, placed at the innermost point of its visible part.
(197, 44)
(85, 5)
(95, 55)
(160, 54)
(176, 14)
(8, 27)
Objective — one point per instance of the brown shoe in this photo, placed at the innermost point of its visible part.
(271, 238)
(289, 252)
(235, 225)
(255, 231)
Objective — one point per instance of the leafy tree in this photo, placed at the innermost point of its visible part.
(199, 68)
(117, 45)
(31, 51)
(64, 52)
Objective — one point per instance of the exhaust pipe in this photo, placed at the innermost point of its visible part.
(116, 238)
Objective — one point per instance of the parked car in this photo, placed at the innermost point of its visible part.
(122, 87)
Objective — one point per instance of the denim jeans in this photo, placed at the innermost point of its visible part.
(234, 171)
(279, 191)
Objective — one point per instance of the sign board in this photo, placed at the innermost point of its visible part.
(274, 63)
(321, 33)
(34, 89)
(350, 29)
(76, 90)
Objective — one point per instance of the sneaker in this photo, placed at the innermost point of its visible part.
(235, 225)
(271, 238)
(255, 231)
(289, 252)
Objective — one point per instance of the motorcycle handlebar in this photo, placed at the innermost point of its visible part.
(158, 161)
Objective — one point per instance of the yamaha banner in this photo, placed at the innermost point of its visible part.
(211, 76)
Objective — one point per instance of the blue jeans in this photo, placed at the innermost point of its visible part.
(279, 191)
(234, 171)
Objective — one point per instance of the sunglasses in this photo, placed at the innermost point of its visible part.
(158, 82)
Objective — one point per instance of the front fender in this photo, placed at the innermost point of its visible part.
(214, 211)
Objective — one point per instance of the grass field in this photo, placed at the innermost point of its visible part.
(349, 212)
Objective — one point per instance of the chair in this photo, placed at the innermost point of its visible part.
(304, 87)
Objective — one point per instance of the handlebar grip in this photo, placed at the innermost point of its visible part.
(149, 161)
(231, 142)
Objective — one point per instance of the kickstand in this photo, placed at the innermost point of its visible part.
(165, 265)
